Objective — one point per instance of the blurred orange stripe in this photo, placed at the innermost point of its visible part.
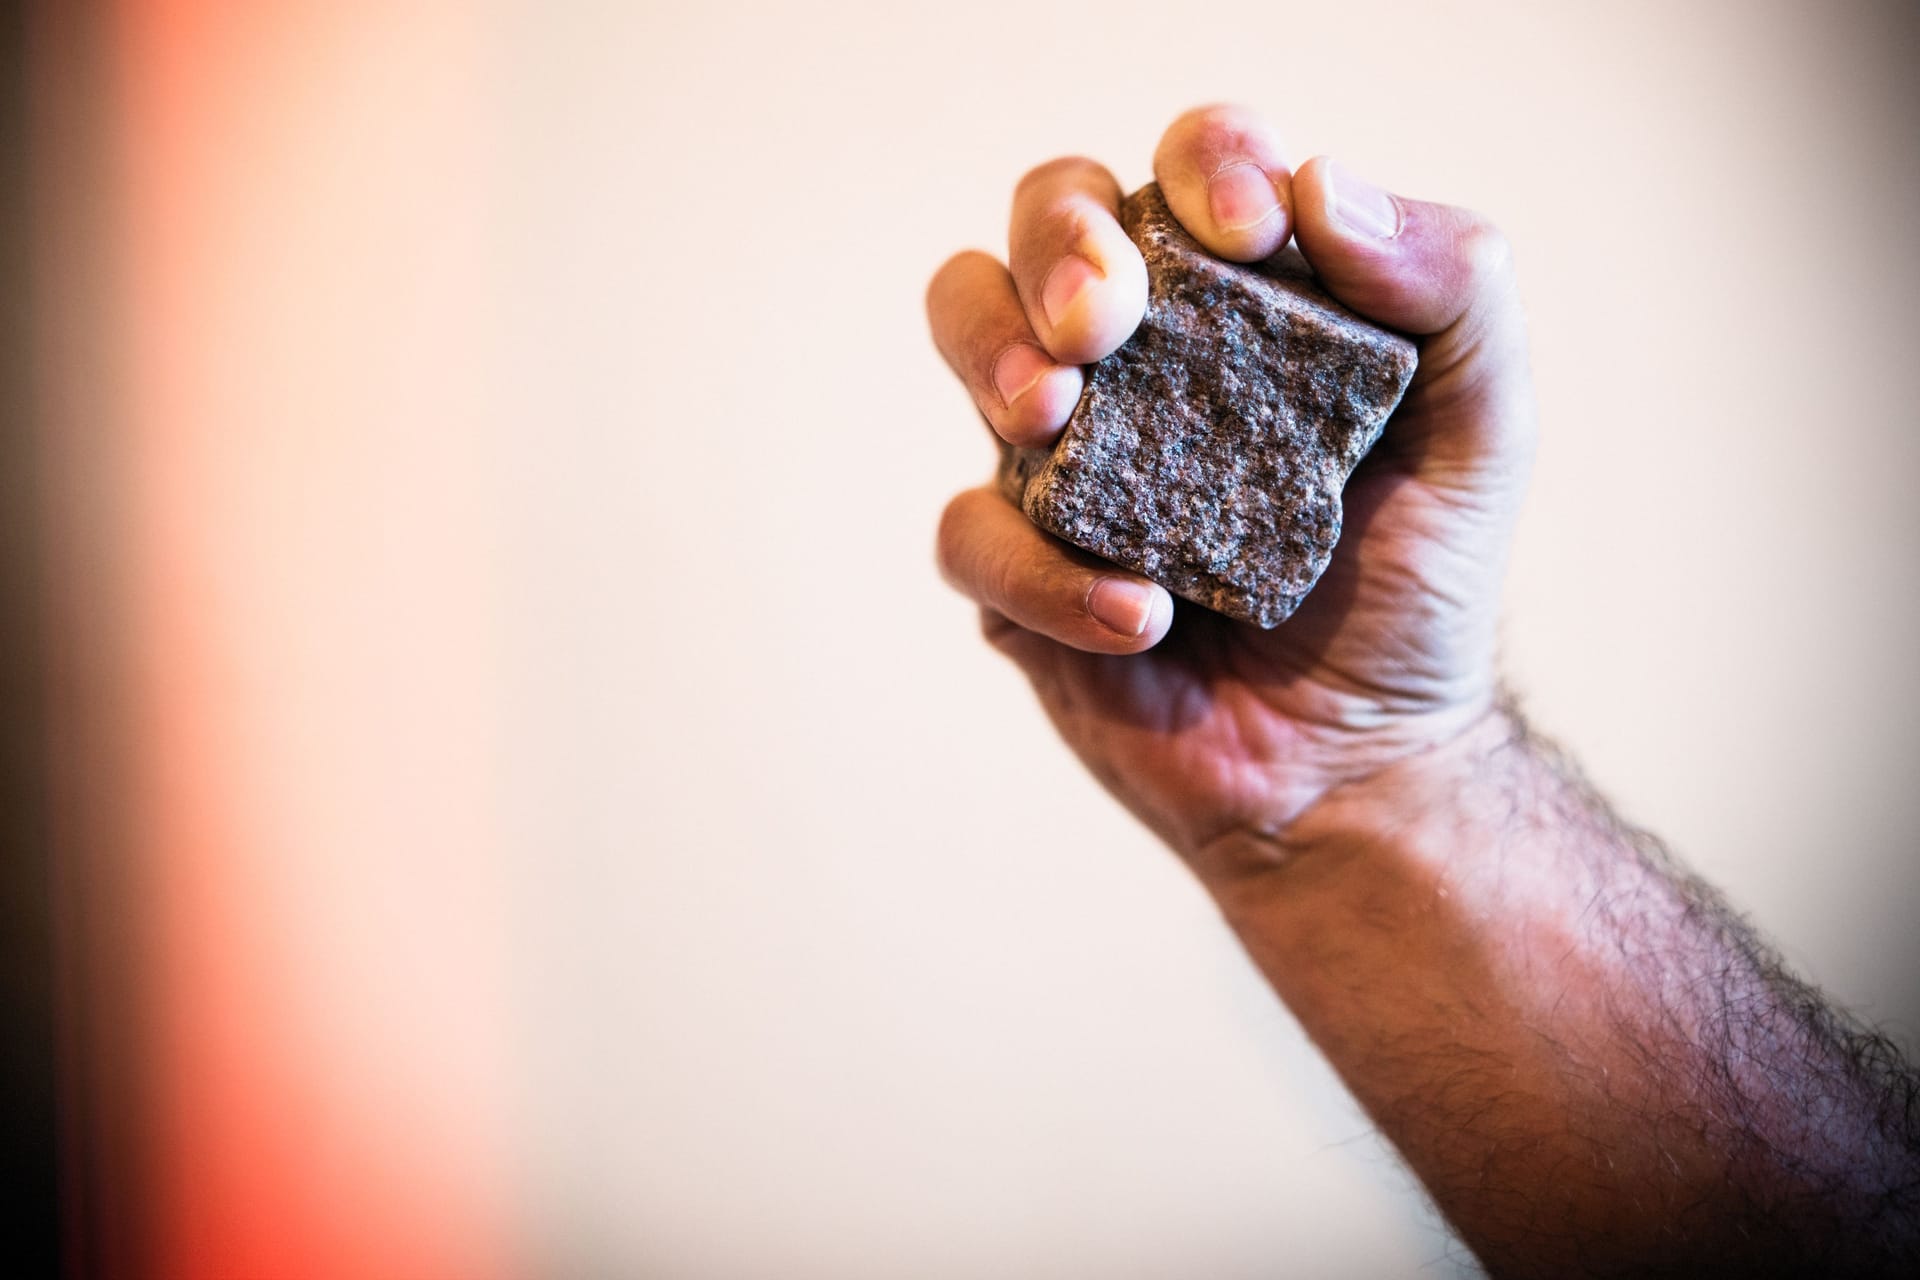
(323, 1101)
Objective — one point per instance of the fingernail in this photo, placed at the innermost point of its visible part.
(1017, 369)
(1065, 283)
(1361, 206)
(1241, 196)
(1121, 605)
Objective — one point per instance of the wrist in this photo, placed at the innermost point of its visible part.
(1409, 797)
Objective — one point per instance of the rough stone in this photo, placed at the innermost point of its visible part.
(1209, 452)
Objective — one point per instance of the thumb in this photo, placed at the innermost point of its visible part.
(1445, 276)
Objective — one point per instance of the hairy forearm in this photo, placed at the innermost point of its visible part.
(1592, 1065)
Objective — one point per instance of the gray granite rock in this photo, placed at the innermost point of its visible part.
(1208, 453)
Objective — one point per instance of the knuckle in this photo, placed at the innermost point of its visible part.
(1487, 254)
(972, 559)
(1064, 588)
(1008, 584)
(1212, 122)
(1063, 222)
(1492, 287)
(1058, 172)
(950, 539)
(1203, 138)
(954, 274)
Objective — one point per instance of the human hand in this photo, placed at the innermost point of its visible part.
(1219, 735)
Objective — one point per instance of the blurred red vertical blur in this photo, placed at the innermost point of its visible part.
(284, 999)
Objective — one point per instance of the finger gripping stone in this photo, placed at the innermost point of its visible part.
(1209, 452)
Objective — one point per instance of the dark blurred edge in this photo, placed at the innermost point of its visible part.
(29, 1145)
(71, 1048)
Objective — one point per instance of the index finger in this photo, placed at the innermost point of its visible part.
(1081, 280)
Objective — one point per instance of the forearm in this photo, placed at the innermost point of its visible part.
(1588, 1061)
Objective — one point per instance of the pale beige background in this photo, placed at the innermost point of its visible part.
(866, 979)
(821, 958)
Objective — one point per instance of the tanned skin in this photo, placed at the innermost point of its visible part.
(1590, 1062)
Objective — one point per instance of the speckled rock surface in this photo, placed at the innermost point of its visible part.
(1209, 452)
